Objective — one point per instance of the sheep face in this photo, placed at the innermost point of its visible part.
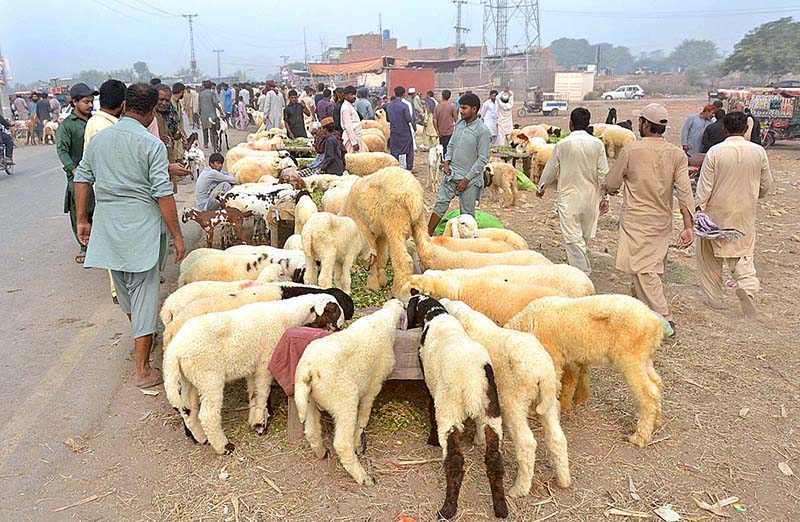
(326, 313)
(422, 308)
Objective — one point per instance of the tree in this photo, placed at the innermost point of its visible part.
(142, 71)
(772, 49)
(618, 59)
(696, 54)
(570, 52)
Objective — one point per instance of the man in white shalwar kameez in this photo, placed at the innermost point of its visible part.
(505, 116)
(578, 166)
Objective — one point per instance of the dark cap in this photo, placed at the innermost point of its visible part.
(81, 90)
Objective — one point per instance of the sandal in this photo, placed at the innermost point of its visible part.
(154, 380)
(80, 258)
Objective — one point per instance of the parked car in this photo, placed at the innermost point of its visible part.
(625, 92)
(785, 84)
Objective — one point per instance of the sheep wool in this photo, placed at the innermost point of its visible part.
(462, 226)
(615, 137)
(366, 163)
(525, 376)
(304, 209)
(198, 290)
(335, 242)
(614, 330)
(342, 374)
(504, 179)
(333, 199)
(477, 244)
(438, 258)
(224, 267)
(294, 242)
(216, 348)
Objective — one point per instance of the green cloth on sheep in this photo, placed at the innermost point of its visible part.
(484, 219)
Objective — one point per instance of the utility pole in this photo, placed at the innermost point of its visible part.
(459, 28)
(219, 73)
(285, 58)
(305, 48)
(380, 28)
(192, 60)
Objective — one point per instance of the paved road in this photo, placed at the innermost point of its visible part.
(65, 352)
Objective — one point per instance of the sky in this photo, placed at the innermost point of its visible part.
(112, 34)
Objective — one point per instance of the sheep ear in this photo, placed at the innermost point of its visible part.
(414, 291)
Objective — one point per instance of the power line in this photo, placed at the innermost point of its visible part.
(151, 6)
(219, 73)
(192, 60)
(657, 15)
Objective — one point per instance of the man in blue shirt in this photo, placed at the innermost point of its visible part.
(401, 141)
(135, 206)
(467, 154)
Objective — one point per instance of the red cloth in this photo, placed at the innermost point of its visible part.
(283, 363)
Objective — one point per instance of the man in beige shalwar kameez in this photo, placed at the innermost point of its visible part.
(579, 166)
(734, 176)
(650, 168)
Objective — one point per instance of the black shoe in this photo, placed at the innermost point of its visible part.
(114, 298)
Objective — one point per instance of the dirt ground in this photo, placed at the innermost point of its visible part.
(731, 406)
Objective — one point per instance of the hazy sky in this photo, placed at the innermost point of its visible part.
(112, 34)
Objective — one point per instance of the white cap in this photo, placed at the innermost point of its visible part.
(411, 90)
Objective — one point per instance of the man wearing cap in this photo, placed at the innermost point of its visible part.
(69, 146)
(505, 116)
(401, 142)
(650, 169)
(467, 154)
(128, 235)
(693, 128)
(273, 106)
(577, 167)
(735, 175)
(351, 122)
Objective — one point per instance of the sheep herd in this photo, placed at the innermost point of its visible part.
(504, 329)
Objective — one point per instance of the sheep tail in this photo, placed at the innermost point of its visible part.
(548, 395)
(302, 391)
(172, 378)
(419, 231)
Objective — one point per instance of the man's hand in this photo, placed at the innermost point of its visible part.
(687, 148)
(686, 238)
(540, 193)
(446, 168)
(180, 249)
(603, 207)
(84, 229)
(355, 147)
(462, 185)
(176, 169)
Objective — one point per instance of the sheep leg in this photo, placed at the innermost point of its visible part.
(377, 272)
(239, 228)
(191, 422)
(364, 410)
(326, 271)
(433, 436)
(480, 436)
(313, 430)
(251, 396)
(343, 440)
(344, 268)
(648, 398)
(495, 470)
(209, 236)
(556, 444)
(494, 193)
(651, 372)
(514, 191)
(211, 419)
(454, 472)
(584, 388)
(401, 261)
(569, 380)
(263, 380)
(515, 417)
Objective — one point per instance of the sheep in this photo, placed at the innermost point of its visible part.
(388, 207)
(323, 182)
(522, 143)
(292, 262)
(253, 294)
(239, 152)
(374, 141)
(510, 237)
(366, 163)
(504, 179)
(251, 169)
(615, 137)
(543, 153)
(333, 199)
(439, 258)
(210, 219)
(380, 122)
(224, 267)
(435, 161)
(198, 290)
(597, 129)
(293, 242)
(460, 379)
(335, 242)
(258, 118)
(194, 255)
(194, 158)
(289, 175)
(615, 330)
(461, 226)
(525, 375)
(268, 180)
(303, 210)
(495, 298)
(478, 244)
(342, 374)
(213, 349)
(536, 131)
(49, 131)
(567, 280)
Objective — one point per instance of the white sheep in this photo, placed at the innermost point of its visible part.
(615, 330)
(293, 242)
(333, 199)
(525, 376)
(473, 244)
(497, 299)
(335, 242)
(253, 294)
(566, 279)
(198, 290)
(615, 137)
(460, 378)
(323, 182)
(213, 349)
(366, 163)
(194, 255)
(435, 160)
(461, 226)
(292, 262)
(224, 267)
(303, 210)
(516, 241)
(439, 258)
(342, 374)
(504, 179)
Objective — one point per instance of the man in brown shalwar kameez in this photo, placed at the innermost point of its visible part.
(734, 176)
(649, 169)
